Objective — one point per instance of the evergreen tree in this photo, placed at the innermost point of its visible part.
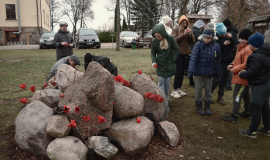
(124, 26)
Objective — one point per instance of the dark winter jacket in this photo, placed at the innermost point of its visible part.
(233, 30)
(226, 50)
(258, 66)
(205, 58)
(165, 58)
(54, 68)
(63, 51)
(196, 33)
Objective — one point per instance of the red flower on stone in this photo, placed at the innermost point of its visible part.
(33, 88)
(119, 79)
(86, 118)
(61, 95)
(101, 119)
(53, 83)
(126, 83)
(24, 100)
(156, 98)
(156, 65)
(66, 109)
(77, 109)
(161, 99)
(113, 103)
(140, 71)
(72, 124)
(152, 78)
(148, 95)
(23, 86)
(45, 85)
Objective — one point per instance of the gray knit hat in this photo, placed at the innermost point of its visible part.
(63, 24)
(75, 59)
(209, 31)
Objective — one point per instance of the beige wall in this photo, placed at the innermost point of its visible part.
(28, 14)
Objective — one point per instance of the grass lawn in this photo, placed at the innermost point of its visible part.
(200, 132)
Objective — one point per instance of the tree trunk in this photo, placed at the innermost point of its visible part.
(240, 13)
(128, 14)
(118, 27)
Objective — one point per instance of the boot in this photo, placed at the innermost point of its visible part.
(230, 118)
(207, 107)
(199, 109)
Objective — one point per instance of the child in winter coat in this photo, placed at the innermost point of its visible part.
(241, 89)
(204, 64)
(258, 76)
(164, 52)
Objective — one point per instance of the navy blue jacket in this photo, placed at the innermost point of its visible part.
(258, 66)
(226, 57)
(205, 58)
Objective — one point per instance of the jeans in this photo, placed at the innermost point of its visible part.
(221, 81)
(181, 64)
(229, 82)
(245, 95)
(259, 107)
(164, 85)
(200, 81)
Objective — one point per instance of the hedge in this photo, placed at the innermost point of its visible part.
(105, 36)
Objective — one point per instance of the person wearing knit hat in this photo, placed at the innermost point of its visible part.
(204, 64)
(241, 88)
(167, 21)
(257, 73)
(227, 42)
(227, 23)
(184, 38)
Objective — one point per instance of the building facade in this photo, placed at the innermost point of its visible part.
(22, 18)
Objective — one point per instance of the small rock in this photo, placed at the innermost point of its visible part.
(204, 152)
(181, 156)
(220, 137)
(102, 146)
(204, 125)
(169, 132)
(50, 97)
(57, 126)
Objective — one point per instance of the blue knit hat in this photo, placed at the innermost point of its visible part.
(221, 29)
(209, 31)
(256, 40)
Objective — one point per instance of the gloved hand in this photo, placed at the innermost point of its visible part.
(190, 74)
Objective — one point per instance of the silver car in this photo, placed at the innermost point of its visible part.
(126, 38)
(46, 40)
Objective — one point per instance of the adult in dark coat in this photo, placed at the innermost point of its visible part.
(63, 41)
(258, 75)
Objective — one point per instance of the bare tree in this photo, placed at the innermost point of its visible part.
(118, 26)
(55, 12)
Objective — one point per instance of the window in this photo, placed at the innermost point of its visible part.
(10, 11)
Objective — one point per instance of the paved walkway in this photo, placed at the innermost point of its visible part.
(10, 47)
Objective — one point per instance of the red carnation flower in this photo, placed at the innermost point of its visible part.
(148, 95)
(86, 118)
(23, 86)
(45, 85)
(66, 44)
(61, 95)
(140, 71)
(126, 83)
(152, 78)
(101, 119)
(113, 103)
(156, 65)
(72, 124)
(53, 83)
(156, 98)
(161, 99)
(77, 109)
(33, 88)
(119, 79)
(66, 109)
(24, 100)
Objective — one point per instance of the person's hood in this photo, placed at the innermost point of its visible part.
(232, 29)
(60, 31)
(195, 28)
(159, 28)
(198, 24)
(200, 38)
(265, 49)
(183, 17)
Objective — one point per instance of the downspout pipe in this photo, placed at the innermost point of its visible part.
(19, 17)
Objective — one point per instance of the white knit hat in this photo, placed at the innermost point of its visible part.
(166, 19)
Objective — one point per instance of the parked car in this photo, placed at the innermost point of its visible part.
(86, 38)
(148, 34)
(126, 38)
(46, 40)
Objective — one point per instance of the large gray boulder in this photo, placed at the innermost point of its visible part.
(102, 146)
(127, 103)
(133, 137)
(67, 75)
(94, 93)
(30, 128)
(67, 148)
(143, 84)
(57, 126)
(169, 132)
(50, 97)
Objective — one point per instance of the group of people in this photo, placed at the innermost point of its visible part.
(211, 57)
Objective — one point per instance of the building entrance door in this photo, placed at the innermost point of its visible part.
(12, 38)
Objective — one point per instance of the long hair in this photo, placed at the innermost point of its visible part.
(181, 27)
(164, 43)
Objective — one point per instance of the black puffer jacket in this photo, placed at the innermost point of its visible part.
(63, 51)
(258, 66)
(233, 30)
(196, 33)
